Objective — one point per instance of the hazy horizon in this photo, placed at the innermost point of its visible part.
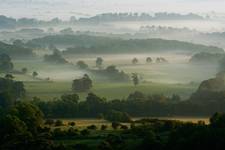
(47, 9)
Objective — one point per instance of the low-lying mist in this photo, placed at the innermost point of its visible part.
(177, 70)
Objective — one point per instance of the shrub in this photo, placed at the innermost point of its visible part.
(72, 132)
(124, 127)
(58, 132)
(104, 127)
(85, 132)
(117, 116)
(92, 127)
(58, 123)
(71, 124)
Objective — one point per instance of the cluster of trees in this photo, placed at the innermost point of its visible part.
(111, 73)
(201, 103)
(161, 60)
(82, 65)
(207, 58)
(212, 85)
(56, 57)
(22, 126)
(150, 60)
(82, 85)
(117, 116)
(156, 134)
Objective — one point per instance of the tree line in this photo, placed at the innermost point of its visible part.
(136, 105)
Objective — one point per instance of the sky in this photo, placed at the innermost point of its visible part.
(47, 9)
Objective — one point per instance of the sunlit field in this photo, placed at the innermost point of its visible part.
(82, 123)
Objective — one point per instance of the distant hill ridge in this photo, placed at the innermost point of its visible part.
(101, 44)
(10, 23)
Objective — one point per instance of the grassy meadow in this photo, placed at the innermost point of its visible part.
(176, 77)
(50, 90)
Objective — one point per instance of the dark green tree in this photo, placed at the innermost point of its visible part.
(24, 70)
(149, 60)
(29, 114)
(99, 62)
(82, 85)
(135, 79)
(34, 74)
(6, 100)
(5, 63)
(135, 61)
(82, 65)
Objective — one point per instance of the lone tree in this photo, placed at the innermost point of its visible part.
(135, 61)
(82, 85)
(24, 70)
(5, 63)
(99, 62)
(34, 74)
(158, 60)
(135, 79)
(82, 65)
(149, 60)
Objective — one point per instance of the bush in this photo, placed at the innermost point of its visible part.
(104, 127)
(85, 132)
(72, 132)
(58, 132)
(58, 123)
(71, 124)
(117, 116)
(92, 127)
(124, 127)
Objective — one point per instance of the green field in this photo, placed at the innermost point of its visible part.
(156, 78)
(50, 90)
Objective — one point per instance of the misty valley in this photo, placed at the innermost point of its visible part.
(113, 81)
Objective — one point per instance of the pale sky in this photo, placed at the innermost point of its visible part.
(46, 9)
